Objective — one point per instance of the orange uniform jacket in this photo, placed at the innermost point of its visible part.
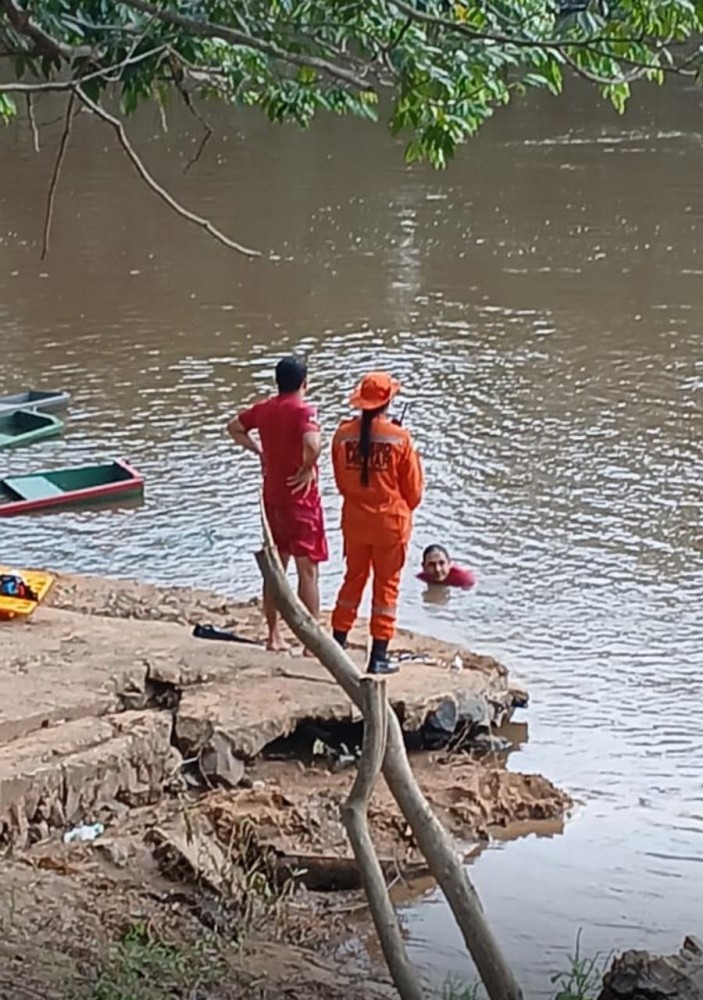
(384, 507)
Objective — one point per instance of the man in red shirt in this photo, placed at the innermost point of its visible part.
(438, 570)
(289, 447)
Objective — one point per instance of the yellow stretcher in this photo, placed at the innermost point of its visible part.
(40, 583)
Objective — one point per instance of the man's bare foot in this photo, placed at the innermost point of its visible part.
(274, 644)
(309, 655)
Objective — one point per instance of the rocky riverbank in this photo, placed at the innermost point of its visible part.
(217, 769)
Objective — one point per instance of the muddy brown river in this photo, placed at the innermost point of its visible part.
(541, 302)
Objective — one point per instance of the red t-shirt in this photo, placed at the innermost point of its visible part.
(457, 577)
(281, 422)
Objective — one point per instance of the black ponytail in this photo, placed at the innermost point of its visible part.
(367, 419)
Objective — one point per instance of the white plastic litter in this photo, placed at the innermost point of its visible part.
(83, 833)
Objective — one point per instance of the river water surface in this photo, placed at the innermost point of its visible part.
(541, 302)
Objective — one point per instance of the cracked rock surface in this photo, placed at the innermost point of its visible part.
(105, 685)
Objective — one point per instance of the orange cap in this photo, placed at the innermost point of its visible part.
(375, 389)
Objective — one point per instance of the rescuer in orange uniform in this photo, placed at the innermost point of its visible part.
(379, 475)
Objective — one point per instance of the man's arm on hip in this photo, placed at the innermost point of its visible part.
(302, 482)
(312, 447)
(239, 429)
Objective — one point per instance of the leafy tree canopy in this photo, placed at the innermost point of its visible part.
(445, 66)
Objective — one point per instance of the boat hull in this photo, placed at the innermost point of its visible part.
(46, 401)
(21, 427)
(60, 488)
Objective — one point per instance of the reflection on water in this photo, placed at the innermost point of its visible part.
(437, 596)
(540, 302)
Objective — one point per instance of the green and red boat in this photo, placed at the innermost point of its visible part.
(80, 485)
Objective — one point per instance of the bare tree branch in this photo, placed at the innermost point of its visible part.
(32, 122)
(51, 121)
(44, 44)
(362, 64)
(51, 197)
(637, 64)
(522, 41)
(355, 77)
(199, 152)
(112, 29)
(162, 115)
(207, 29)
(356, 821)
(474, 34)
(207, 128)
(107, 73)
(139, 166)
(49, 87)
(605, 81)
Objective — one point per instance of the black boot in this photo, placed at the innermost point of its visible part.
(340, 638)
(378, 661)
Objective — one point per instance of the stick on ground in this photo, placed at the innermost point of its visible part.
(356, 822)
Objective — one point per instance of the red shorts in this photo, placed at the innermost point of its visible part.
(298, 531)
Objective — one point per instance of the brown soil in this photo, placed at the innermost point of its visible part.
(297, 810)
(64, 908)
(104, 692)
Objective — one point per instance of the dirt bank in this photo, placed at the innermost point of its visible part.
(218, 769)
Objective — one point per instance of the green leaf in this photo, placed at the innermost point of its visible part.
(441, 82)
(414, 151)
(8, 108)
(128, 101)
(307, 75)
(617, 94)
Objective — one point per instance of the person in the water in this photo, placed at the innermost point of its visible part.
(439, 571)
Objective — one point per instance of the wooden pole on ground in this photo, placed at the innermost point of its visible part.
(431, 837)
(356, 821)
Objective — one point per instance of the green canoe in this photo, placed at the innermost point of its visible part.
(83, 484)
(26, 426)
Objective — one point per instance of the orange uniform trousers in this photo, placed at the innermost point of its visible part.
(386, 559)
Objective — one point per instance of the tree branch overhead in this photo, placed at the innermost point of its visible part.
(141, 169)
(207, 29)
(442, 69)
(44, 44)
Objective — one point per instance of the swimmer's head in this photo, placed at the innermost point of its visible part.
(435, 563)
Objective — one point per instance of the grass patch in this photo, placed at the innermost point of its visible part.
(455, 989)
(583, 980)
(143, 967)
